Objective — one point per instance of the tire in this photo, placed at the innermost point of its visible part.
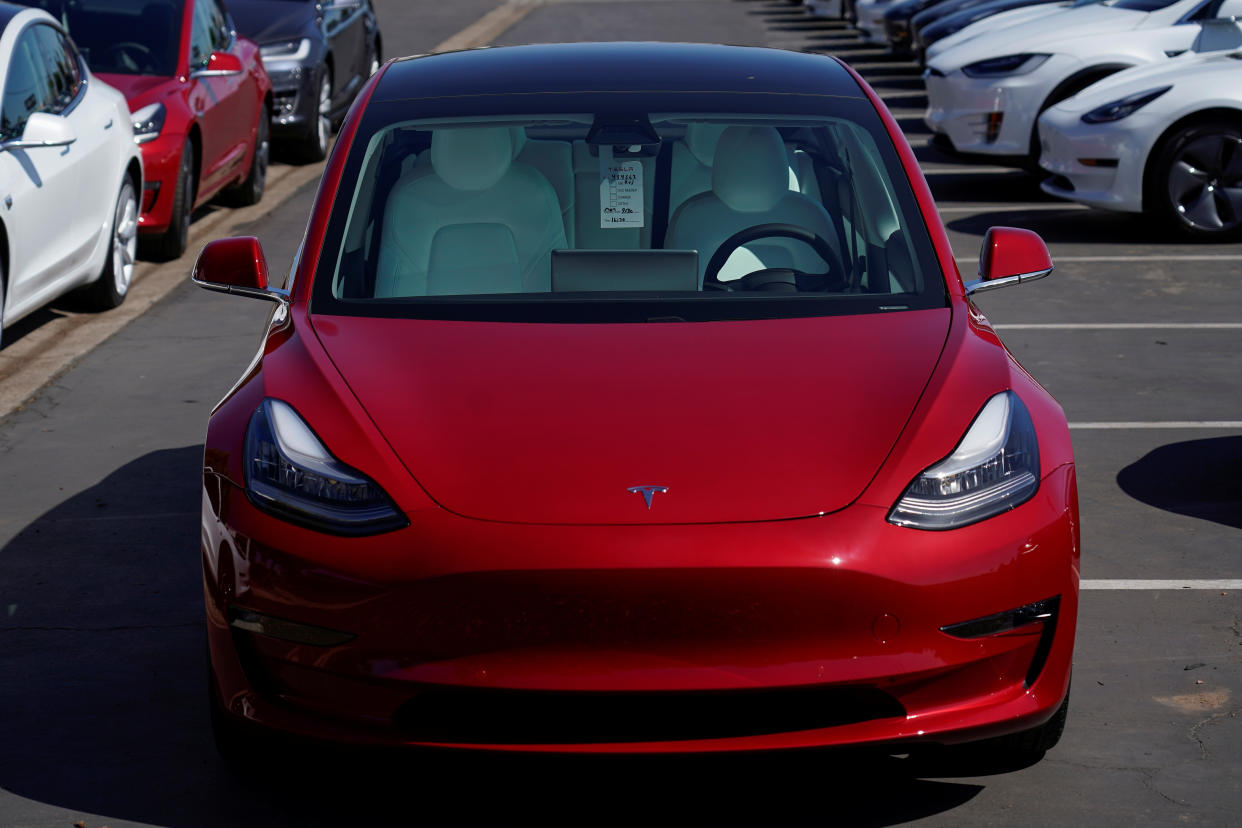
(251, 190)
(314, 145)
(110, 289)
(1033, 743)
(2, 278)
(1196, 184)
(172, 242)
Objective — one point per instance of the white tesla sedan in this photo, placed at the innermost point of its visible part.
(1164, 139)
(70, 172)
(985, 94)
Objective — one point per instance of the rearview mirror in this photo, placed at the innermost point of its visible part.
(42, 130)
(236, 266)
(1010, 256)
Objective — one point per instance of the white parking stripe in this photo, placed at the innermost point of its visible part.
(1122, 326)
(1151, 258)
(1159, 584)
(1168, 424)
(1015, 208)
(963, 169)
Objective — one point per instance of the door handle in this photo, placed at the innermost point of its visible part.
(109, 124)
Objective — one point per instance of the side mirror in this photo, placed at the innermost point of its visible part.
(1010, 256)
(1217, 34)
(219, 65)
(42, 130)
(236, 266)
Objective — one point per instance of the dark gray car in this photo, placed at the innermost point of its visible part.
(318, 54)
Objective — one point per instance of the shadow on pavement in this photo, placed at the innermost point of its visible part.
(103, 710)
(1197, 478)
(1058, 226)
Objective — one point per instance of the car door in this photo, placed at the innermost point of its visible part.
(222, 104)
(50, 195)
(93, 155)
(344, 23)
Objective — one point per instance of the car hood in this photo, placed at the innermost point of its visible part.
(139, 90)
(962, 17)
(987, 25)
(741, 421)
(269, 21)
(1049, 32)
(1200, 79)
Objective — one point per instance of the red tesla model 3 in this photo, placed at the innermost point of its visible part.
(200, 99)
(636, 410)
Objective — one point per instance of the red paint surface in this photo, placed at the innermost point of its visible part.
(226, 137)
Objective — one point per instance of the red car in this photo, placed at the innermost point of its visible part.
(200, 99)
(634, 411)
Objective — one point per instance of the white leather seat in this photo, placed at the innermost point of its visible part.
(555, 160)
(691, 167)
(750, 187)
(481, 224)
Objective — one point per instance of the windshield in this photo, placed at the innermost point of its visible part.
(124, 37)
(1144, 5)
(589, 217)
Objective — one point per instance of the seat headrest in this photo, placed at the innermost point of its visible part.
(702, 139)
(751, 169)
(471, 159)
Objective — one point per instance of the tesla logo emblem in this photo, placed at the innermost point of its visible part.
(647, 492)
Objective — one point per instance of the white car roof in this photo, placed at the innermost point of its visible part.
(1074, 30)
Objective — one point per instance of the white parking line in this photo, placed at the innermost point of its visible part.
(1122, 326)
(965, 169)
(1015, 208)
(1159, 584)
(1167, 424)
(1190, 257)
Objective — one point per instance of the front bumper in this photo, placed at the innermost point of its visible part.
(870, 23)
(988, 116)
(295, 99)
(1101, 165)
(464, 633)
(161, 161)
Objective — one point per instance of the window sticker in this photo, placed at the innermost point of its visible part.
(620, 191)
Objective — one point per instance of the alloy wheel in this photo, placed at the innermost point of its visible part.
(124, 240)
(325, 108)
(1205, 183)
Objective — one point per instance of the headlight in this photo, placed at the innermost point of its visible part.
(148, 122)
(993, 469)
(286, 51)
(1007, 65)
(1116, 110)
(290, 474)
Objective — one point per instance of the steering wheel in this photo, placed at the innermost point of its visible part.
(137, 54)
(771, 278)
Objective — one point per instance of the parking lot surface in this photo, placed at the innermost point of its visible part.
(101, 654)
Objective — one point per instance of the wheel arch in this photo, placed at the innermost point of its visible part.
(1080, 80)
(4, 269)
(133, 170)
(1202, 116)
(1069, 87)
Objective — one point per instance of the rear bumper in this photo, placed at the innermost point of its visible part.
(824, 631)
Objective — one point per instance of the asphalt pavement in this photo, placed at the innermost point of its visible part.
(102, 709)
